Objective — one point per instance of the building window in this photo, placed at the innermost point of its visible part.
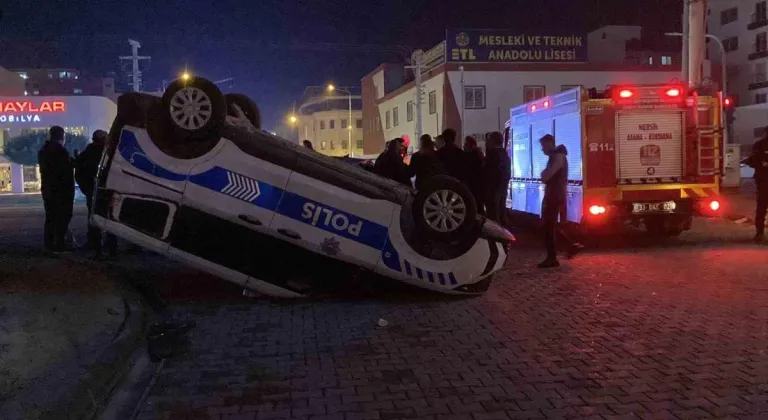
(331, 126)
(344, 123)
(532, 93)
(760, 42)
(378, 124)
(474, 97)
(761, 98)
(322, 145)
(77, 91)
(322, 124)
(433, 102)
(650, 61)
(359, 123)
(359, 144)
(409, 111)
(387, 120)
(396, 117)
(729, 15)
(731, 44)
(23, 75)
(761, 12)
(666, 60)
(345, 144)
(333, 146)
(563, 88)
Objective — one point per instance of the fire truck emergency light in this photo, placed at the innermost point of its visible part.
(595, 210)
(625, 93)
(727, 102)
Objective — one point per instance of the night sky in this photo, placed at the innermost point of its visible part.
(274, 48)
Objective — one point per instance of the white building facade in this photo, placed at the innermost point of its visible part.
(472, 80)
(491, 90)
(742, 25)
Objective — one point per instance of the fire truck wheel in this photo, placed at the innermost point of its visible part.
(247, 105)
(445, 209)
(195, 108)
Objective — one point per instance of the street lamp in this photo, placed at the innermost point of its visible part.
(332, 88)
(185, 76)
(723, 69)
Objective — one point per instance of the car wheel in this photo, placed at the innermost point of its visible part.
(247, 105)
(195, 108)
(445, 208)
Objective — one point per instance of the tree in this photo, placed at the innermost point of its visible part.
(23, 149)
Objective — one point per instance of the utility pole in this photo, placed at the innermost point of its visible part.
(135, 58)
(417, 61)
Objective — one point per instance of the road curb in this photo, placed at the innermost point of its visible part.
(113, 363)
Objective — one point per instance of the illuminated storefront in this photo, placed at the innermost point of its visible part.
(80, 115)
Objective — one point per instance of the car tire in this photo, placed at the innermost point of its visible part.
(444, 209)
(247, 105)
(194, 108)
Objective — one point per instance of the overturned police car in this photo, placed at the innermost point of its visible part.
(192, 176)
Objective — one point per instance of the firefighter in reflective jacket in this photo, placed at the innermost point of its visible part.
(759, 160)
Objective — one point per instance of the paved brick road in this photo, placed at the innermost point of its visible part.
(672, 331)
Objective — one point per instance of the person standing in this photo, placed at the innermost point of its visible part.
(497, 171)
(474, 171)
(454, 159)
(555, 179)
(390, 163)
(759, 161)
(86, 167)
(425, 163)
(307, 144)
(58, 189)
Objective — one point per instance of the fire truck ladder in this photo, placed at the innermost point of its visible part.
(708, 163)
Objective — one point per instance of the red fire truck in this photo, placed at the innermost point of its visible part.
(638, 154)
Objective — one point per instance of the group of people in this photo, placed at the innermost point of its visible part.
(58, 172)
(486, 175)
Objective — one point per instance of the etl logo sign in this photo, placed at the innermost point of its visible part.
(28, 111)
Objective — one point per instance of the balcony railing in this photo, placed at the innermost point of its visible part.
(759, 50)
(757, 20)
(758, 81)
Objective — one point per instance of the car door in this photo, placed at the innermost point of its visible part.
(229, 204)
(335, 211)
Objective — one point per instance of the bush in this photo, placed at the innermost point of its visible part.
(23, 149)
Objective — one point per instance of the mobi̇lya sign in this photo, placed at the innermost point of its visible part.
(509, 46)
(28, 111)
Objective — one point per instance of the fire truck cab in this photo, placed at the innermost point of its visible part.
(648, 154)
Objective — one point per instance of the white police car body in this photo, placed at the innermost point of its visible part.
(255, 209)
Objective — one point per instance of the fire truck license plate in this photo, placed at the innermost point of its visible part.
(653, 207)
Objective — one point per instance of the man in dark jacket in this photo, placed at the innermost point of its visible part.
(86, 166)
(497, 172)
(390, 163)
(453, 158)
(425, 163)
(759, 160)
(555, 179)
(474, 171)
(58, 188)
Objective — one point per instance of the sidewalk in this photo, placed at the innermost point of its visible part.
(68, 324)
(740, 204)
